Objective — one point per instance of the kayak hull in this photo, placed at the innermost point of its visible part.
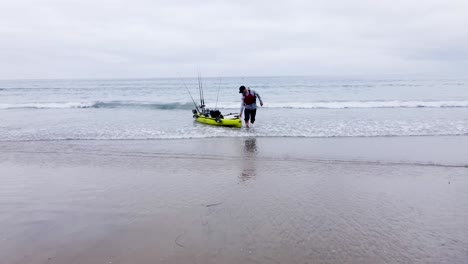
(235, 122)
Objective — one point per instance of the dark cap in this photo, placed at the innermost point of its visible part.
(241, 89)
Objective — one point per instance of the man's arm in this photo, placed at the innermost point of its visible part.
(242, 107)
(259, 98)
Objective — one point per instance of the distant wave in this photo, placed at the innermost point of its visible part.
(45, 105)
(370, 104)
(293, 105)
(111, 104)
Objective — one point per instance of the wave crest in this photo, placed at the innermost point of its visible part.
(235, 105)
(111, 104)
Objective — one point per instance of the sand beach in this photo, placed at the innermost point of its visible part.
(235, 200)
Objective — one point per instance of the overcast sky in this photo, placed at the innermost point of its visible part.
(139, 38)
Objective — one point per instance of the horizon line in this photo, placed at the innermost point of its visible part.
(344, 76)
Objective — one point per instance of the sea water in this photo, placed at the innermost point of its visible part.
(293, 107)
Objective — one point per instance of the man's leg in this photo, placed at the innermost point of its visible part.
(247, 117)
(253, 112)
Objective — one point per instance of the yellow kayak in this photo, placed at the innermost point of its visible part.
(229, 122)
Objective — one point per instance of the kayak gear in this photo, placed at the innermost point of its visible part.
(213, 117)
(218, 121)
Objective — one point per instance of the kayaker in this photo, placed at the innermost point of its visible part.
(249, 105)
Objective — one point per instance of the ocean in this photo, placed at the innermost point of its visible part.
(132, 109)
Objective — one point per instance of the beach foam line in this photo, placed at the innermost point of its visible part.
(370, 104)
(235, 105)
(45, 105)
(98, 104)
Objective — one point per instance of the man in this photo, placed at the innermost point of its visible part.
(249, 105)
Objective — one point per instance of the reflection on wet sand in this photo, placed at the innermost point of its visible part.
(249, 161)
(228, 201)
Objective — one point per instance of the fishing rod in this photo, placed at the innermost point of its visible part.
(202, 91)
(200, 87)
(196, 107)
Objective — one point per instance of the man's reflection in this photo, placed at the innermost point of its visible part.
(250, 146)
(249, 162)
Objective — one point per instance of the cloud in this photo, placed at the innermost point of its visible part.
(69, 39)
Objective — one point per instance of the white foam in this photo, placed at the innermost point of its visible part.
(233, 105)
(46, 105)
(356, 104)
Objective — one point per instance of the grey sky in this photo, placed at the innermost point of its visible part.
(139, 38)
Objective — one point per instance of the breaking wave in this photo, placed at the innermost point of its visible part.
(231, 105)
(111, 104)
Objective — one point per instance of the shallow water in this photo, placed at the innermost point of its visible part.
(294, 107)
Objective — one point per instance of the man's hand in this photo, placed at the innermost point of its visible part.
(261, 103)
(240, 115)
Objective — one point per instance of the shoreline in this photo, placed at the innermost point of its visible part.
(450, 151)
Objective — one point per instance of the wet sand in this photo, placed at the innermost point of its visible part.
(236, 200)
